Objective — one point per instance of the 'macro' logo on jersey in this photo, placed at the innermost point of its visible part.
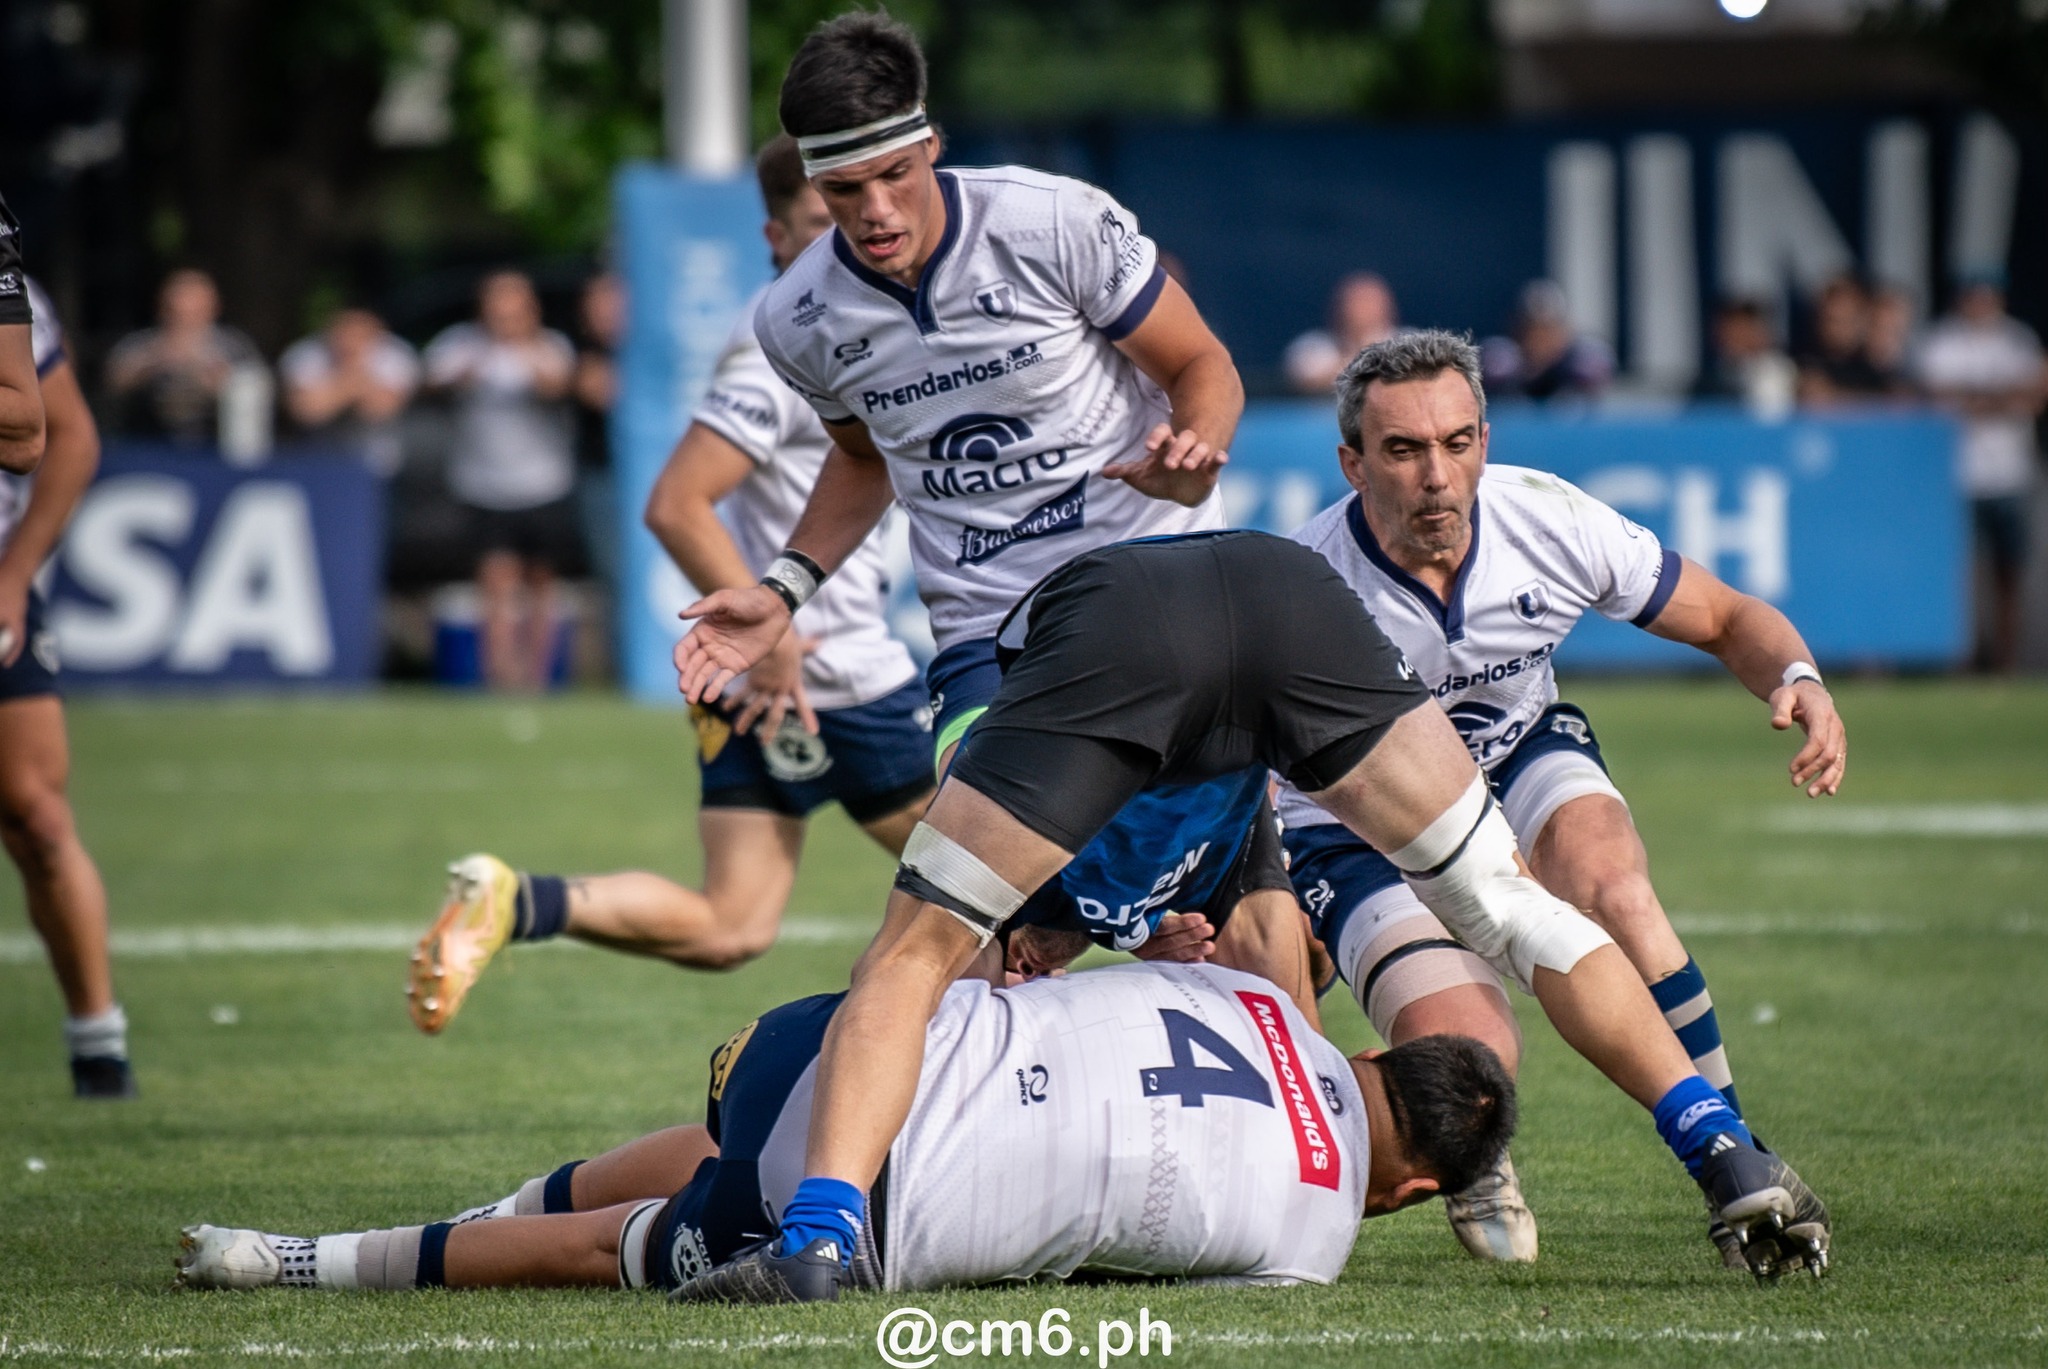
(1320, 1163)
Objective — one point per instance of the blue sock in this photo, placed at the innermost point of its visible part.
(823, 1207)
(1691, 1115)
(432, 1268)
(542, 908)
(1689, 1010)
(554, 1194)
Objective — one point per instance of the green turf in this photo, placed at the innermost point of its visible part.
(1883, 999)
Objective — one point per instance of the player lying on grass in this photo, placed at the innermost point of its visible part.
(753, 449)
(1478, 574)
(1170, 661)
(1175, 1121)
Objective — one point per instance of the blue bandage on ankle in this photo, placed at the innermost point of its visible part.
(823, 1207)
(1691, 1115)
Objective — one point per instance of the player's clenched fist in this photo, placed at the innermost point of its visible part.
(735, 628)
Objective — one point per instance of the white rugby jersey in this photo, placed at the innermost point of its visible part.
(994, 389)
(1543, 552)
(1143, 1119)
(858, 660)
(46, 341)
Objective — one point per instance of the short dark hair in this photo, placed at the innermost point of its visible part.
(1422, 354)
(779, 167)
(1453, 1104)
(851, 71)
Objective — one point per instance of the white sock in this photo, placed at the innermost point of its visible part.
(101, 1036)
(507, 1206)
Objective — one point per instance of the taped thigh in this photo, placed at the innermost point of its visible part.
(1394, 953)
(1548, 783)
(939, 870)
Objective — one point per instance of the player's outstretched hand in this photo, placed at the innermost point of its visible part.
(1819, 765)
(1176, 465)
(735, 628)
(1183, 938)
(775, 687)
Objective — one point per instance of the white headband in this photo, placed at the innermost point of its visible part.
(824, 152)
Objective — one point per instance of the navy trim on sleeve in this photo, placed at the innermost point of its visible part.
(1139, 309)
(1667, 584)
(52, 361)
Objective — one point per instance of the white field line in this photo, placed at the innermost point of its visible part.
(11, 1349)
(286, 939)
(1982, 820)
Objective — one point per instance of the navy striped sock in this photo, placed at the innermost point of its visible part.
(433, 1271)
(1689, 1009)
(555, 1193)
(542, 908)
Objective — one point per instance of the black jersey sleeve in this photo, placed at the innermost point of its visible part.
(14, 307)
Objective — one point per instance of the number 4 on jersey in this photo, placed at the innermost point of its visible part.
(1238, 1077)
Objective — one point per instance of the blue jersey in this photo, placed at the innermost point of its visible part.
(1168, 850)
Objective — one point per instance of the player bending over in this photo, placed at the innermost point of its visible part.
(999, 351)
(1166, 1121)
(1477, 574)
(66, 900)
(850, 722)
(1175, 660)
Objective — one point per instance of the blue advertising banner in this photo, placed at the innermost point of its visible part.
(1852, 526)
(692, 255)
(180, 570)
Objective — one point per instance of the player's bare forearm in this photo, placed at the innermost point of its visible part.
(1208, 399)
(850, 498)
(71, 455)
(21, 404)
(682, 510)
(1183, 457)
(1758, 644)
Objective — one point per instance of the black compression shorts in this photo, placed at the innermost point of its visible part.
(1177, 660)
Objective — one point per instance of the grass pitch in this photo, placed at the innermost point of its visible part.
(1879, 970)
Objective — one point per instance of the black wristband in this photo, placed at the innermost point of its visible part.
(784, 593)
(817, 571)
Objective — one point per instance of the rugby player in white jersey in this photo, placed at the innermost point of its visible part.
(851, 724)
(66, 899)
(1478, 573)
(1138, 1121)
(998, 350)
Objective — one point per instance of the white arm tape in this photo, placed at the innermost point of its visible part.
(945, 863)
(1800, 670)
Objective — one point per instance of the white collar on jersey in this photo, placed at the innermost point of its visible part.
(824, 152)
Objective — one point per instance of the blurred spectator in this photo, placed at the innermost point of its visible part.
(1837, 368)
(168, 380)
(603, 326)
(512, 463)
(1362, 312)
(348, 384)
(1749, 367)
(1890, 342)
(1986, 367)
(1546, 358)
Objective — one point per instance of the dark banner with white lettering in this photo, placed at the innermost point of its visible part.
(181, 570)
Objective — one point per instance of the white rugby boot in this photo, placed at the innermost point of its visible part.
(226, 1257)
(1491, 1219)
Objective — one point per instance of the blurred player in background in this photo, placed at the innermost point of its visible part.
(21, 402)
(850, 719)
(1261, 1160)
(1478, 574)
(61, 885)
